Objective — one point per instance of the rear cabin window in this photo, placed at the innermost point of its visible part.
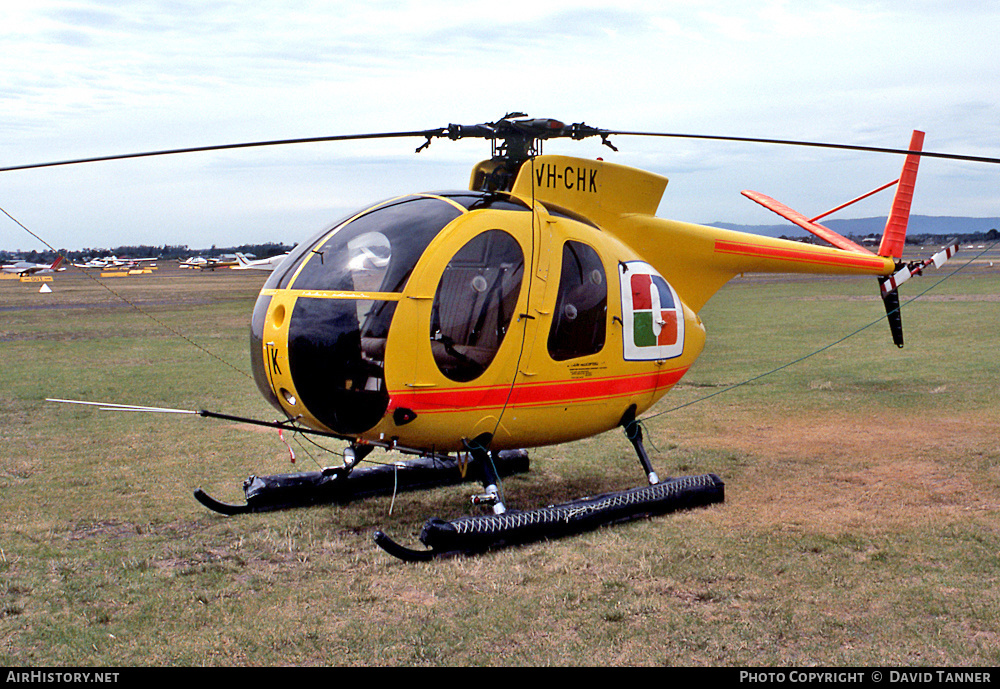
(579, 323)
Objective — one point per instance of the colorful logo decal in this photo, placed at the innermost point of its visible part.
(652, 314)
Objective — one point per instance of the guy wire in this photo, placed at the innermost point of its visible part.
(148, 315)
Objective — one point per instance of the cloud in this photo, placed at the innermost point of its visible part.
(96, 77)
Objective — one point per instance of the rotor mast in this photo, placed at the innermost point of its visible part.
(515, 138)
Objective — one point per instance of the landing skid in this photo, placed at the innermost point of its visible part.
(469, 535)
(338, 485)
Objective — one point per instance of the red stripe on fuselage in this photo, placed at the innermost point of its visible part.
(534, 394)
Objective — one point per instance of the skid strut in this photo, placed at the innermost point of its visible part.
(633, 431)
(486, 462)
(342, 484)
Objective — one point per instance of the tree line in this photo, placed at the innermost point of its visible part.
(166, 252)
(181, 251)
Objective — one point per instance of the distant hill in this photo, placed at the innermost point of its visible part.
(862, 227)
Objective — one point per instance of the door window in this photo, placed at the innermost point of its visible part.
(474, 304)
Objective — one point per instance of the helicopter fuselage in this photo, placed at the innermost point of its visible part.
(517, 321)
(538, 315)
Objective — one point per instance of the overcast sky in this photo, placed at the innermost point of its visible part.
(91, 78)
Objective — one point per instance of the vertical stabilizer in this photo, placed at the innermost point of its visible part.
(895, 229)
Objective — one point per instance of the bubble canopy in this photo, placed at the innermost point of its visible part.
(336, 346)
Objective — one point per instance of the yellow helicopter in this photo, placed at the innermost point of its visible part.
(544, 304)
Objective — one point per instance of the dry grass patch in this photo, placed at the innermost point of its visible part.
(838, 474)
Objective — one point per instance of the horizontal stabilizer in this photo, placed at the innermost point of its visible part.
(824, 233)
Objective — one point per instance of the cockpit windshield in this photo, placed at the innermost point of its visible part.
(374, 252)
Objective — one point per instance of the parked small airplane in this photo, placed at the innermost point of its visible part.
(202, 263)
(25, 268)
(270, 263)
(115, 262)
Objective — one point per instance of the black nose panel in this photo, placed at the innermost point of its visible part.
(336, 365)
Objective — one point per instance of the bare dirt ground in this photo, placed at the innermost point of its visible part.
(836, 474)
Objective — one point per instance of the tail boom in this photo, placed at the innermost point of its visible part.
(756, 254)
(698, 260)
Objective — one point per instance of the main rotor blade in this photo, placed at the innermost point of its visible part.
(546, 129)
(815, 144)
(223, 147)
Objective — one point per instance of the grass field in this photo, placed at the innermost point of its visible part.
(861, 524)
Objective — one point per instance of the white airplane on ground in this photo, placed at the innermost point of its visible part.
(114, 262)
(202, 263)
(24, 268)
(243, 263)
(93, 263)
